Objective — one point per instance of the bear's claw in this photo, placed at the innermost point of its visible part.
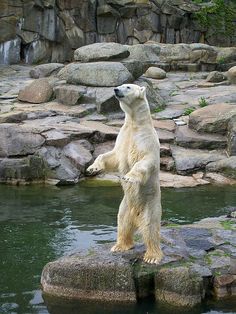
(119, 248)
(93, 171)
(153, 260)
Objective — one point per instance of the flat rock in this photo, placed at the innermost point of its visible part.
(55, 138)
(100, 74)
(171, 180)
(173, 111)
(39, 91)
(165, 136)
(219, 179)
(44, 70)
(101, 52)
(186, 137)
(227, 166)
(168, 125)
(212, 119)
(102, 132)
(190, 160)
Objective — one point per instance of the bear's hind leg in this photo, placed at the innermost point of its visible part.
(126, 229)
(150, 230)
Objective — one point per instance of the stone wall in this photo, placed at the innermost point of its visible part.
(35, 31)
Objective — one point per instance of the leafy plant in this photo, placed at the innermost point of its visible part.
(203, 102)
(188, 111)
(218, 13)
(221, 60)
(228, 225)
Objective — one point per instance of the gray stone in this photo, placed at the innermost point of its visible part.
(155, 73)
(231, 137)
(178, 286)
(103, 148)
(226, 166)
(44, 70)
(68, 94)
(100, 74)
(37, 92)
(101, 52)
(106, 101)
(189, 160)
(18, 140)
(146, 54)
(212, 119)
(136, 68)
(215, 77)
(80, 157)
(37, 52)
(188, 138)
(55, 138)
(51, 155)
(8, 27)
(66, 173)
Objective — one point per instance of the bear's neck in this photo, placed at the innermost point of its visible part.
(138, 115)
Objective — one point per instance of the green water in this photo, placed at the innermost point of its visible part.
(39, 224)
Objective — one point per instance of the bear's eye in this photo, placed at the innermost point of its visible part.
(128, 87)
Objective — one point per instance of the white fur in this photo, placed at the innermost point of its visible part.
(136, 156)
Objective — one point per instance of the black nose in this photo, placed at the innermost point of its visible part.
(116, 90)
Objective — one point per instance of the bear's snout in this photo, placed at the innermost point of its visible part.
(118, 93)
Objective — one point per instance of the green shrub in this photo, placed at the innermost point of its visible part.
(203, 102)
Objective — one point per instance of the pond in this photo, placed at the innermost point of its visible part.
(41, 223)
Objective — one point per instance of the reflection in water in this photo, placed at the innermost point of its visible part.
(39, 224)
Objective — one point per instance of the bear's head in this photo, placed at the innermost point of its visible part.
(129, 94)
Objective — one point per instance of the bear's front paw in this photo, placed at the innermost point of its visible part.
(93, 170)
(130, 179)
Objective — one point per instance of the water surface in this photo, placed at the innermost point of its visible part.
(39, 224)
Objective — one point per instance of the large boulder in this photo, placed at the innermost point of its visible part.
(212, 119)
(101, 52)
(37, 92)
(68, 94)
(226, 166)
(100, 74)
(192, 160)
(231, 74)
(215, 77)
(145, 54)
(18, 140)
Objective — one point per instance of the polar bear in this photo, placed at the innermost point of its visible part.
(136, 156)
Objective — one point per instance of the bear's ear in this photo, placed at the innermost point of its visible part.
(142, 93)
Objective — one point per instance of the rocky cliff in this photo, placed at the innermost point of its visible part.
(35, 31)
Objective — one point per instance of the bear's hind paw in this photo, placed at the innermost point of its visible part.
(121, 248)
(152, 259)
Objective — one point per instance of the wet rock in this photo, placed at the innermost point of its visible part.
(101, 52)
(37, 92)
(66, 173)
(18, 140)
(231, 74)
(44, 70)
(100, 74)
(215, 77)
(212, 119)
(10, 51)
(178, 286)
(227, 166)
(188, 138)
(20, 170)
(189, 160)
(155, 73)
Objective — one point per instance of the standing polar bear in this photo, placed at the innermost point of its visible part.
(136, 156)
